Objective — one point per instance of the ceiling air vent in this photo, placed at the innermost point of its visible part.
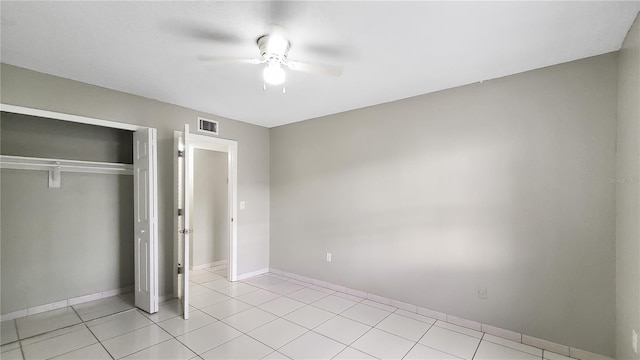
(208, 126)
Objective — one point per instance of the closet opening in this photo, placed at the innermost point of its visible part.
(78, 212)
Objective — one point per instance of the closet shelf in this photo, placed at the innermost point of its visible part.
(56, 166)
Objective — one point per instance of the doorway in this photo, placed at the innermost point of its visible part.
(210, 239)
(187, 146)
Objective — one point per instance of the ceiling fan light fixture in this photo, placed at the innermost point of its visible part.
(277, 45)
(274, 74)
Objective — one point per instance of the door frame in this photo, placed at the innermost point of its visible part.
(154, 173)
(230, 147)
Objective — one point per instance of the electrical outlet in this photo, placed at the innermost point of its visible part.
(482, 292)
(328, 257)
(634, 341)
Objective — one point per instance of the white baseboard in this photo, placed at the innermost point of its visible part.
(252, 274)
(64, 303)
(163, 298)
(545, 345)
(209, 265)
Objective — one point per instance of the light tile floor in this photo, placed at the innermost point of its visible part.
(264, 317)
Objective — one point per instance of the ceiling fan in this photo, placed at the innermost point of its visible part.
(274, 51)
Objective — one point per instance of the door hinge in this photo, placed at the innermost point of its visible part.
(179, 212)
(180, 153)
(180, 269)
(186, 231)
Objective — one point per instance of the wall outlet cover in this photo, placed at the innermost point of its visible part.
(328, 257)
(482, 292)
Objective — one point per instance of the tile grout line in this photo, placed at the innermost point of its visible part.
(50, 331)
(185, 345)
(150, 346)
(94, 335)
(127, 332)
(20, 343)
(243, 333)
(418, 341)
(15, 324)
(292, 340)
(477, 347)
(366, 332)
(161, 342)
(442, 351)
(459, 332)
(324, 322)
(349, 347)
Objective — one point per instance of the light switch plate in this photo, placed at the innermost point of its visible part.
(242, 205)
(328, 257)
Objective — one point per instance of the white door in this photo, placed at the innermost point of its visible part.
(186, 194)
(145, 223)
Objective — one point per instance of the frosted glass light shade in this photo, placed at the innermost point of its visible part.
(274, 74)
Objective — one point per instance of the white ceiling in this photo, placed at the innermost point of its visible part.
(390, 50)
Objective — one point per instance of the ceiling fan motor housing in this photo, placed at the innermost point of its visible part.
(273, 48)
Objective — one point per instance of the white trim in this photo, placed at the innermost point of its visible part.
(208, 265)
(200, 267)
(187, 196)
(404, 306)
(64, 303)
(469, 324)
(163, 298)
(545, 345)
(219, 263)
(154, 220)
(231, 148)
(57, 166)
(64, 165)
(177, 291)
(586, 355)
(502, 333)
(252, 274)
(69, 117)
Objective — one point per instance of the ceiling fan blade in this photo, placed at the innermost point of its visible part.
(330, 70)
(326, 50)
(221, 60)
(202, 31)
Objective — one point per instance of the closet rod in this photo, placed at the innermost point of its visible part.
(63, 165)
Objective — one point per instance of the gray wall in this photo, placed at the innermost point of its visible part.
(628, 194)
(36, 90)
(210, 239)
(71, 241)
(502, 184)
(26, 135)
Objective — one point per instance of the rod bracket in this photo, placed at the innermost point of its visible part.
(54, 178)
